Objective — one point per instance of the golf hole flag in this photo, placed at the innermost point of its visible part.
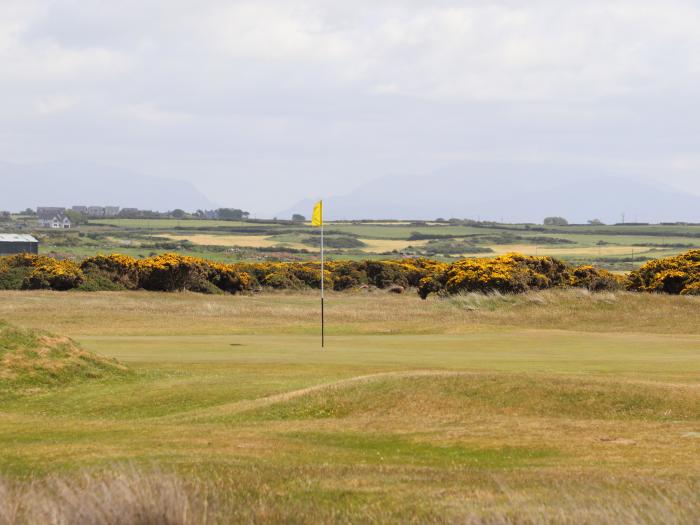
(317, 215)
(317, 220)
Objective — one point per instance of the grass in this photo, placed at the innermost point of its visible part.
(566, 250)
(552, 407)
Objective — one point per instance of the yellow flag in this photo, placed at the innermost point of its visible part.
(317, 216)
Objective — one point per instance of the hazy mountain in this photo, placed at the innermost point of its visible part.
(512, 193)
(71, 183)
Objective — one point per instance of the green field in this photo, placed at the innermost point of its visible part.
(614, 247)
(558, 406)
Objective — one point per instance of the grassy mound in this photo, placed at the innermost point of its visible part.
(31, 358)
(454, 395)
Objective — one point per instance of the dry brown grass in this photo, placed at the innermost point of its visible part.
(110, 498)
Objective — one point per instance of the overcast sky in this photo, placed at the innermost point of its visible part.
(261, 103)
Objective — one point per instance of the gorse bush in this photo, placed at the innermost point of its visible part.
(170, 272)
(120, 269)
(673, 275)
(510, 273)
(53, 274)
(596, 279)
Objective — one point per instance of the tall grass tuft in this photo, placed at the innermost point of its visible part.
(129, 497)
(123, 497)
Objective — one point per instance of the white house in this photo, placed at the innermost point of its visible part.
(53, 218)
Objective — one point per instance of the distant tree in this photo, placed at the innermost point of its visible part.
(298, 218)
(232, 214)
(178, 213)
(555, 221)
(129, 213)
(28, 211)
(76, 218)
(596, 222)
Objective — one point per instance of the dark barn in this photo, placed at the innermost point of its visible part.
(12, 243)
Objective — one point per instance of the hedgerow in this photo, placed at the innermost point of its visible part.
(510, 273)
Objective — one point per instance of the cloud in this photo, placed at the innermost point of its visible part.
(54, 104)
(509, 51)
(331, 94)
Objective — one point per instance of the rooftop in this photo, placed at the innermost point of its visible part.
(16, 237)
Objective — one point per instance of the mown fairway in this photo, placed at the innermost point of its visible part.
(559, 406)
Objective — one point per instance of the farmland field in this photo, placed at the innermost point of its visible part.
(470, 409)
(615, 247)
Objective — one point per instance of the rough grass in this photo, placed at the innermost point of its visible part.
(152, 313)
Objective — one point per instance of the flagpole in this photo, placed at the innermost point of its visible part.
(322, 318)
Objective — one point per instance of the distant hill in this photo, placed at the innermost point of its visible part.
(71, 183)
(511, 193)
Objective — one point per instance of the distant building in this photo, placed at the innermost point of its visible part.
(13, 243)
(96, 211)
(111, 211)
(54, 218)
(80, 209)
(48, 210)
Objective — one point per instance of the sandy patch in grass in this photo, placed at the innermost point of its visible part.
(387, 245)
(245, 241)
